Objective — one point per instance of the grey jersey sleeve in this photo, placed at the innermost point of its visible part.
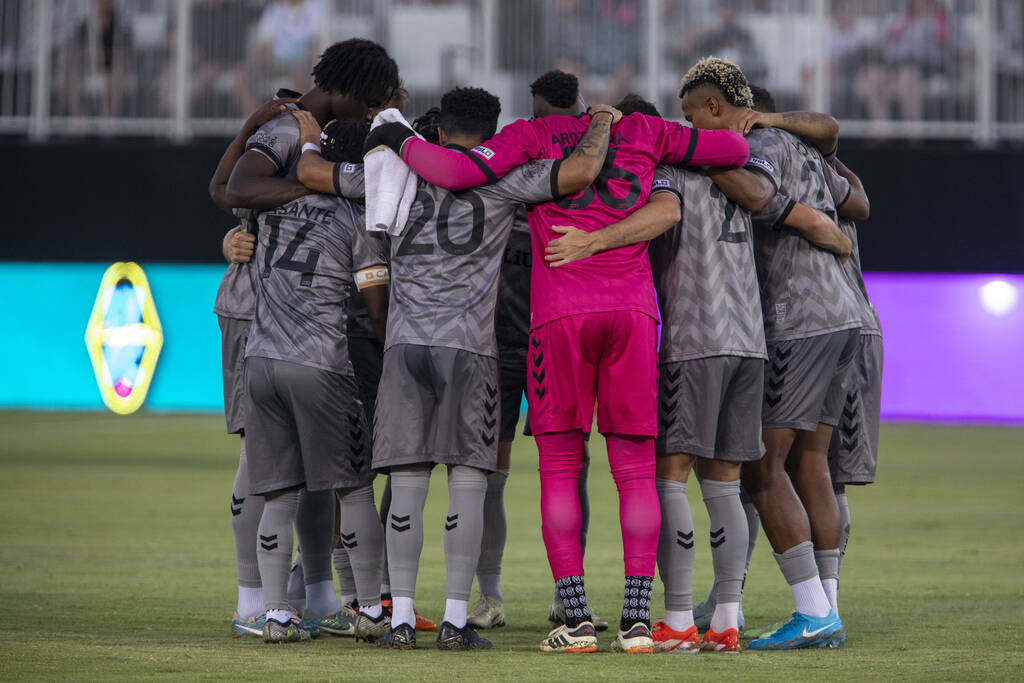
(369, 259)
(768, 155)
(349, 181)
(666, 180)
(534, 182)
(277, 140)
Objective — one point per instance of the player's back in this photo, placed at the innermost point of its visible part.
(705, 275)
(804, 291)
(512, 319)
(852, 269)
(306, 258)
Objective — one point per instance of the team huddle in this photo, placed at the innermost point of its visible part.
(698, 288)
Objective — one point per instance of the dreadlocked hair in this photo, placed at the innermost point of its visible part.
(426, 125)
(763, 100)
(342, 140)
(359, 68)
(470, 111)
(722, 74)
(559, 88)
(633, 103)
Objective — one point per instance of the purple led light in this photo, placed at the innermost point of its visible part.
(954, 352)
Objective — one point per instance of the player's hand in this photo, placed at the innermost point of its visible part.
(239, 245)
(616, 114)
(845, 249)
(309, 129)
(573, 245)
(268, 112)
(748, 119)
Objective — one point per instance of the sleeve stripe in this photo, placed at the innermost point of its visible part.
(849, 191)
(691, 148)
(672, 190)
(267, 152)
(766, 174)
(784, 215)
(491, 178)
(555, 194)
(336, 175)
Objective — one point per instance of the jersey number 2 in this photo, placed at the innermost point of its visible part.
(730, 211)
(409, 245)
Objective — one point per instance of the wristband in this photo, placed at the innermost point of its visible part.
(392, 134)
(310, 145)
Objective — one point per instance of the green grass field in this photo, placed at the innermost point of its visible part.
(117, 562)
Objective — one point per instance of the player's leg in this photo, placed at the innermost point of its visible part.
(363, 537)
(463, 529)
(404, 536)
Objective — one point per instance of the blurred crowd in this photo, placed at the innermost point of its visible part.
(912, 60)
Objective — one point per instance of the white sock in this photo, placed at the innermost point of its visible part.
(831, 587)
(725, 617)
(321, 599)
(281, 616)
(402, 612)
(679, 621)
(373, 611)
(250, 602)
(347, 600)
(810, 598)
(490, 584)
(455, 612)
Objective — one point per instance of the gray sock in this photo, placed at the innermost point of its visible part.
(584, 500)
(275, 546)
(385, 505)
(728, 537)
(797, 563)
(404, 530)
(844, 524)
(343, 568)
(296, 584)
(463, 528)
(492, 544)
(246, 510)
(363, 537)
(675, 545)
(314, 525)
(753, 527)
(827, 562)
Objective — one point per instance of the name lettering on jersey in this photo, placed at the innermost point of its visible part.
(376, 275)
(572, 138)
(761, 163)
(485, 152)
(303, 210)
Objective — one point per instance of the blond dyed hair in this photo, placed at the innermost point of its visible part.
(722, 74)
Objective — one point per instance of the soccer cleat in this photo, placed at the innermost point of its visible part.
(556, 617)
(583, 638)
(636, 641)
(728, 641)
(341, 623)
(803, 631)
(465, 638)
(424, 624)
(370, 629)
(402, 637)
(253, 626)
(675, 642)
(703, 612)
(487, 612)
(292, 632)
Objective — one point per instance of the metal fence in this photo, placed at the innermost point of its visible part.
(181, 68)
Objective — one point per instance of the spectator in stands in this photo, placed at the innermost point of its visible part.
(287, 41)
(1009, 62)
(92, 60)
(219, 32)
(721, 33)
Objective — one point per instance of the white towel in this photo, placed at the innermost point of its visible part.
(390, 184)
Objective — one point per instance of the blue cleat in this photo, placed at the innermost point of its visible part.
(253, 626)
(804, 631)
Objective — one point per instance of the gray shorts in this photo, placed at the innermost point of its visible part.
(803, 380)
(305, 425)
(436, 405)
(512, 379)
(853, 453)
(233, 333)
(711, 408)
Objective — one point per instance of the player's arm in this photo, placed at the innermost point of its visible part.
(238, 245)
(820, 129)
(644, 224)
(235, 150)
(678, 144)
(812, 224)
(373, 284)
(750, 190)
(584, 164)
(857, 207)
(317, 173)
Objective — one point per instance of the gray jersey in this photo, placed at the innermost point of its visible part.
(310, 254)
(236, 295)
(869, 323)
(278, 141)
(804, 292)
(512, 323)
(359, 324)
(704, 274)
(445, 266)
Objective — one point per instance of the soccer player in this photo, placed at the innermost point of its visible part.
(593, 336)
(439, 398)
(811, 322)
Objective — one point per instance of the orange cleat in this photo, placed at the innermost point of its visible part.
(728, 641)
(676, 642)
(424, 624)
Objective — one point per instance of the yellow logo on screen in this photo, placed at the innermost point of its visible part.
(124, 337)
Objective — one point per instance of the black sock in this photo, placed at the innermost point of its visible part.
(574, 598)
(636, 603)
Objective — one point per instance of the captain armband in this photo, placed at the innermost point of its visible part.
(375, 275)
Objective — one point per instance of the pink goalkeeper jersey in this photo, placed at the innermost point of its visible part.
(615, 280)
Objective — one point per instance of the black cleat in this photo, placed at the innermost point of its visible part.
(402, 637)
(465, 638)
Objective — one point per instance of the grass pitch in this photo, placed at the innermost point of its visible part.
(116, 560)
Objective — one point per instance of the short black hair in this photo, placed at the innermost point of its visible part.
(359, 68)
(342, 140)
(426, 125)
(722, 74)
(763, 100)
(633, 103)
(470, 111)
(559, 88)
